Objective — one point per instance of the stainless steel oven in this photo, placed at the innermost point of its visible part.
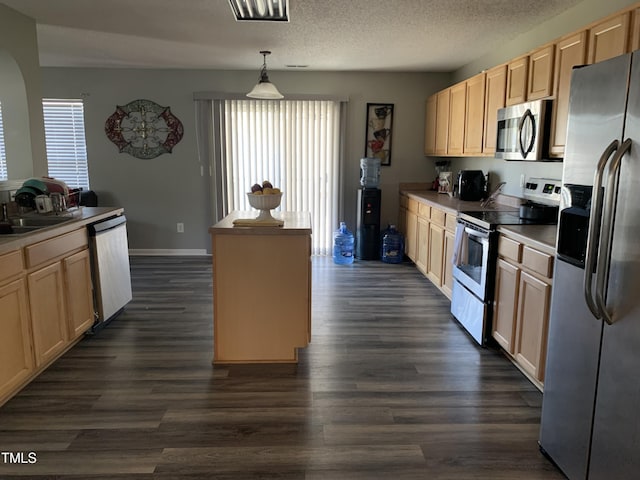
(473, 276)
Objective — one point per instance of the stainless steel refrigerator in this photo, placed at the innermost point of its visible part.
(590, 423)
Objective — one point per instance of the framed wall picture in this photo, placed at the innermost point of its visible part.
(379, 130)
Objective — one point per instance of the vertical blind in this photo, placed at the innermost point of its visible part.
(65, 139)
(3, 154)
(295, 144)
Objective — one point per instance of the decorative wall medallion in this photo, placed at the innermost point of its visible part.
(144, 129)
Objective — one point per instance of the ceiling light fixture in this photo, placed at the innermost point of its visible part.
(260, 10)
(264, 89)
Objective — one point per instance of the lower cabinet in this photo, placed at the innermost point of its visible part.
(79, 294)
(48, 315)
(422, 248)
(436, 254)
(16, 358)
(521, 305)
(447, 267)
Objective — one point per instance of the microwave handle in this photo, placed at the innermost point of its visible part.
(526, 116)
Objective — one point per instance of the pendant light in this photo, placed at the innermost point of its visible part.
(264, 89)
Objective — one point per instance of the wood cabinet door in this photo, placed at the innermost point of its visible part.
(457, 108)
(517, 73)
(436, 254)
(474, 115)
(532, 325)
(422, 244)
(77, 276)
(46, 301)
(430, 125)
(540, 84)
(570, 51)
(442, 121)
(447, 266)
(635, 30)
(411, 236)
(505, 305)
(496, 87)
(16, 358)
(609, 38)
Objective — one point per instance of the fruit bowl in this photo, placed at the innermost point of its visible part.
(265, 203)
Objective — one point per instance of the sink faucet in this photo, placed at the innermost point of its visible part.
(491, 198)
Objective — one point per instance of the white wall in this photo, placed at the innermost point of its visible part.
(160, 192)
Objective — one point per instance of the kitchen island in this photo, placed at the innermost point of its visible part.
(261, 289)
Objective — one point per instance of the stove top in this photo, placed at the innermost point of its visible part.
(491, 219)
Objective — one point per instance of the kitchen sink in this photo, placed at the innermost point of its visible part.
(39, 222)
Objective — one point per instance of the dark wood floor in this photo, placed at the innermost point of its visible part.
(390, 388)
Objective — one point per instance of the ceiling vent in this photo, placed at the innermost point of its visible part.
(260, 10)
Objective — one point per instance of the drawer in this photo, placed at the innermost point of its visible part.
(403, 201)
(412, 205)
(537, 261)
(510, 249)
(10, 265)
(437, 217)
(450, 222)
(424, 210)
(53, 248)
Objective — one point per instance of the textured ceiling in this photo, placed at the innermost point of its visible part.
(370, 35)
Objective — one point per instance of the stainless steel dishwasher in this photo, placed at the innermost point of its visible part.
(109, 267)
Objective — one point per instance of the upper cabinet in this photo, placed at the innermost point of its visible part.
(461, 120)
(474, 115)
(609, 38)
(517, 72)
(540, 78)
(495, 89)
(569, 52)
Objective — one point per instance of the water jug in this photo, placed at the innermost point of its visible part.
(370, 170)
(343, 245)
(392, 245)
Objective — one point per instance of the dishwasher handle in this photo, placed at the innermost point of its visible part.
(104, 225)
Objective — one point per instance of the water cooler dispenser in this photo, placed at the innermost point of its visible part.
(368, 219)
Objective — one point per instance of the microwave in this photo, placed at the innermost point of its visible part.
(523, 131)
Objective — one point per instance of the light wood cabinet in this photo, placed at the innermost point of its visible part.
(411, 234)
(505, 305)
(609, 38)
(48, 320)
(422, 247)
(569, 52)
(474, 115)
(457, 106)
(517, 74)
(635, 30)
(436, 254)
(79, 294)
(16, 358)
(540, 77)
(532, 325)
(430, 125)
(495, 91)
(442, 121)
(521, 305)
(447, 267)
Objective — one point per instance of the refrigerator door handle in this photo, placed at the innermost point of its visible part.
(594, 229)
(602, 270)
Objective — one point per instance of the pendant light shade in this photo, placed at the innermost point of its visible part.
(264, 89)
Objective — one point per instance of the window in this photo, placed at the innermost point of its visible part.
(3, 154)
(295, 144)
(65, 139)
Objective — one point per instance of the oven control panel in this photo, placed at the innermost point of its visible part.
(543, 190)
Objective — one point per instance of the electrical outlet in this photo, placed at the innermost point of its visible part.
(180, 227)
(522, 180)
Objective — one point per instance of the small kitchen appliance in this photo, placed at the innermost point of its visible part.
(523, 131)
(471, 185)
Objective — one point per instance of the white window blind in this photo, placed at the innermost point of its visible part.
(65, 138)
(3, 154)
(295, 144)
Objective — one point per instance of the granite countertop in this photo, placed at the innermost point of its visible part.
(453, 204)
(77, 218)
(295, 223)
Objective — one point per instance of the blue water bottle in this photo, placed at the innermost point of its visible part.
(392, 245)
(343, 245)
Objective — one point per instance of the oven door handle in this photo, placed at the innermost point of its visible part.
(476, 233)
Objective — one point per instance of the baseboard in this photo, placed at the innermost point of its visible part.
(168, 252)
